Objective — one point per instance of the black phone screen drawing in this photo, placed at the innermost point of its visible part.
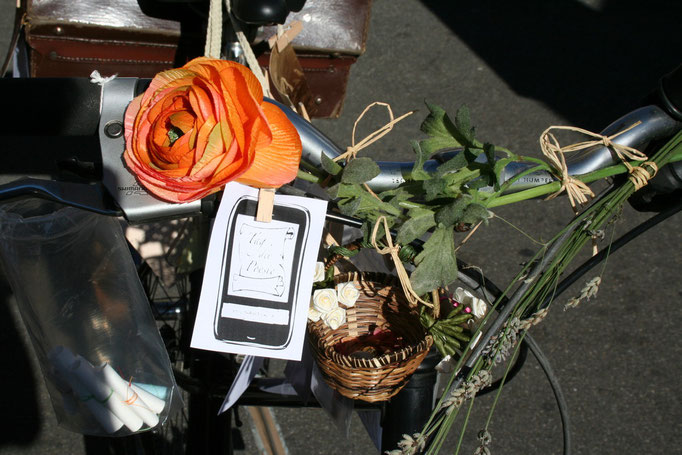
(260, 275)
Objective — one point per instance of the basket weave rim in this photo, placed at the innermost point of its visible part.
(385, 359)
(381, 361)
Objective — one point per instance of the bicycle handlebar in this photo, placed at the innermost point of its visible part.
(90, 110)
(654, 124)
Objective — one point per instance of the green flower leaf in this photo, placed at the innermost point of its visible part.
(418, 172)
(499, 167)
(329, 165)
(403, 192)
(459, 161)
(436, 264)
(463, 125)
(475, 213)
(360, 170)
(452, 213)
(397, 195)
(437, 122)
(489, 150)
(350, 207)
(446, 134)
(485, 180)
(435, 188)
(345, 190)
(333, 191)
(418, 223)
(436, 144)
(367, 227)
(354, 200)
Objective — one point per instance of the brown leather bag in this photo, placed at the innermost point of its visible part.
(69, 38)
(72, 38)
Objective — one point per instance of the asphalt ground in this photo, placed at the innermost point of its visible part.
(519, 67)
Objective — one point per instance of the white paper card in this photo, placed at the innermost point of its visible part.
(242, 380)
(259, 276)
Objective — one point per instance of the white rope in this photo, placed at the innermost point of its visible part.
(214, 29)
(248, 53)
(214, 32)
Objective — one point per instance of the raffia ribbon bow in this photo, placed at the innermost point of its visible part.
(578, 191)
(373, 137)
(393, 250)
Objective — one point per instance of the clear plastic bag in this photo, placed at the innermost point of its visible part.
(104, 362)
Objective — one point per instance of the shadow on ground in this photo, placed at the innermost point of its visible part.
(554, 51)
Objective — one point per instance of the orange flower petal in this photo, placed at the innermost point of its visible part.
(242, 105)
(183, 120)
(214, 147)
(226, 132)
(179, 152)
(201, 104)
(277, 163)
(165, 81)
(202, 139)
(206, 66)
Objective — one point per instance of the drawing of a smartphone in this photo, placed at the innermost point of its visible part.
(260, 275)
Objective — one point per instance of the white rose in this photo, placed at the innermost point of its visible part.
(319, 272)
(347, 293)
(313, 314)
(324, 300)
(334, 318)
(478, 306)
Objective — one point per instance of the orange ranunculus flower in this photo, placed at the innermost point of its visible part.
(203, 125)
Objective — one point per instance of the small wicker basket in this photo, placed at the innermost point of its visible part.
(381, 305)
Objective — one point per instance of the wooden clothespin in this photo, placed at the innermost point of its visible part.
(266, 203)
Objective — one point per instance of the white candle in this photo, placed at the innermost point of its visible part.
(105, 394)
(131, 397)
(63, 359)
(155, 404)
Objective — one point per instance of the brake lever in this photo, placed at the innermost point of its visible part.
(91, 197)
(137, 205)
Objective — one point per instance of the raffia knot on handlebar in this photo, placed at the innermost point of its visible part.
(640, 175)
(354, 148)
(577, 190)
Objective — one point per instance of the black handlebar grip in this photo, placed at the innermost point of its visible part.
(51, 132)
(50, 107)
